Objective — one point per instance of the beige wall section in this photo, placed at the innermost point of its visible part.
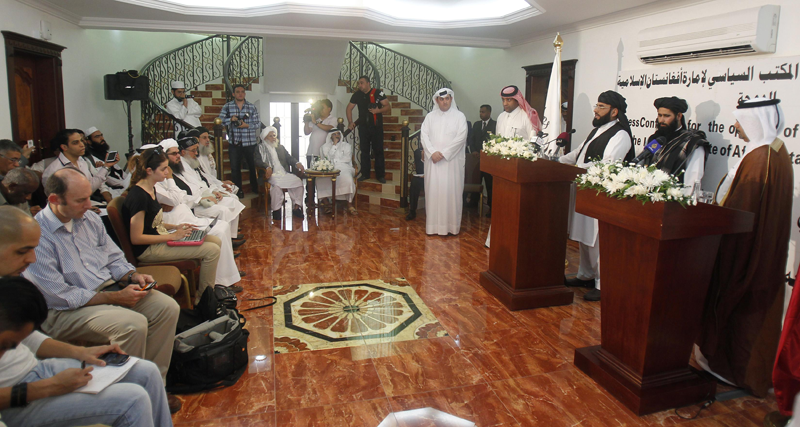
(479, 74)
(90, 54)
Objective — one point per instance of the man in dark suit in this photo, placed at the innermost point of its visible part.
(480, 133)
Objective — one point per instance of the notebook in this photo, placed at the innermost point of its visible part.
(196, 238)
(104, 376)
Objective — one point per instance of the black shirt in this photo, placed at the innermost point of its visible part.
(137, 201)
(363, 101)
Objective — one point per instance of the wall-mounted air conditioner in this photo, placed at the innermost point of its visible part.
(732, 33)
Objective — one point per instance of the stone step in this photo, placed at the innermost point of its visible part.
(414, 112)
(389, 175)
(390, 164)
(401, 105)
(391, 98)
(416, 119)
(392, 154)
(378, 199)
(391, 119)
(392, 128)
(215, 86)
(212, 109)
(218, 101)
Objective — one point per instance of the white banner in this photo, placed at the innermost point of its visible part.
(712, 90)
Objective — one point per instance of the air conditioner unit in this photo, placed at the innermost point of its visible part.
(733, 33)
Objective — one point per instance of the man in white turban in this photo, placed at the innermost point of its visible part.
(742, 318)
(444, 139)
(183, 108)
(340, 153)
(273, 157)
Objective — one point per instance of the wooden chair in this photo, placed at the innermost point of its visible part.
(472, 179)
(187, 267)
(263, 191)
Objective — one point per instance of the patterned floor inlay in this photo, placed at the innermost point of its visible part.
(347, 314)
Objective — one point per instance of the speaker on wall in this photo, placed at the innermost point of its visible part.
(126, 85)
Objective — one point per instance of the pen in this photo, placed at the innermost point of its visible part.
(83, 365)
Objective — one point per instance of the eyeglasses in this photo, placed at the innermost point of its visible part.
(601, 107)
(193, 150)
(12, 160)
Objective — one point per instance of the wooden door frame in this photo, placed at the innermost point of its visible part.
(540, 71)
(17, 43)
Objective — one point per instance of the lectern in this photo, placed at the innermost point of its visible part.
(529, 231)
(656, 264)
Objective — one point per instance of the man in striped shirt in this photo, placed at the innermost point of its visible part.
(244, 124)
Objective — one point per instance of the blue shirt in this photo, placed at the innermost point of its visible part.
(70, 266)
(244, 137)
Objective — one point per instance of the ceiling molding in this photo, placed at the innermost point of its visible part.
(356, 12)
(303, 32)
(53, 10)
(611, 18)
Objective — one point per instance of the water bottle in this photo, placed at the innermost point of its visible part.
(697, 192)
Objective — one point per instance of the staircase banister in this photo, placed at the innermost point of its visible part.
(226, 65)
(157, 58)
(438, 74)
(377, 78)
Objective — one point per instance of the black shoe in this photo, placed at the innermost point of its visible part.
(411, 215)
(242, 273)
(239, 236)
(235, 288)
(382, 180)
(363, 178)
(240, 194)
(174, 403)
(579, 283)
(238, 243)
(276, 215)
(236, 255)
(593, 295)
(297, 212)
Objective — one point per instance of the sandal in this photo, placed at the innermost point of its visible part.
(328, 209)
(352, 210)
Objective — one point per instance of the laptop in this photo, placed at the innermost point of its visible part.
(196, 238)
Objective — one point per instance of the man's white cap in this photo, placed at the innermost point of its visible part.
(168, 143)
(564, 106)
(177, 84)
(90, 131)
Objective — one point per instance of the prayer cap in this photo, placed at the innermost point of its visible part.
(267, 130)
(673, 103)
(165, 144)
(565, 106)
(177, 84)
(189, 141)
(90, 131)
(613, 99)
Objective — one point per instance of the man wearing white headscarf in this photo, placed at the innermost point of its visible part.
(742, 318)
(273, 157)
(183, 108)
(340, 153)
(444, 138)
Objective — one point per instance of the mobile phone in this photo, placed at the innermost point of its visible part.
(111, 156)
(150, 285)
(30, 144)
(114, 359)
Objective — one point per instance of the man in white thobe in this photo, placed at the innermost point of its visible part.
(169, 194)
(517, 119)
(204, 200)
(273, 157)
(444, 140)
(182, 107)
(610, 140)
(207, 165)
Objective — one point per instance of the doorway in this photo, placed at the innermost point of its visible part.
(36, 91)
(537, 80)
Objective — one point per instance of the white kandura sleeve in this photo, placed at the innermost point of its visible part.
(695, 167)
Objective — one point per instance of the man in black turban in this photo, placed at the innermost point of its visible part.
(609, 140)
(683, 152)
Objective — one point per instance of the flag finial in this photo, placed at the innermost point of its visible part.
(558, 43)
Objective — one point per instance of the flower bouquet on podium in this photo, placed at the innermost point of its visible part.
(509, 148)
(322, 164)
(646, 184)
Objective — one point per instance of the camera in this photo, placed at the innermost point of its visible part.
(374, 105)
(315, 109)
(244, 117)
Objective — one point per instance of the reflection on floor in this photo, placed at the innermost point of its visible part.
(495, 368)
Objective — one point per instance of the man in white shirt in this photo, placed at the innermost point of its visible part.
(318, 127)
(56, 373)
(518, 117)
(609, 140)
(183, 108)
(72, 151)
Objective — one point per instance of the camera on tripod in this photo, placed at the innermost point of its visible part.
(315, 109)
(239, 120)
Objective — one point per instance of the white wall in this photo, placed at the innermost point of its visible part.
(89, 55)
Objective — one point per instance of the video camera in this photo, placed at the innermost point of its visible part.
(244, 117)
(315, 109)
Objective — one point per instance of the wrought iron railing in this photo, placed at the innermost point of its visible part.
(405, 76)
(356, 64)
(245, 64)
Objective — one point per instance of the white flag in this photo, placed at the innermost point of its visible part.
(551, 123)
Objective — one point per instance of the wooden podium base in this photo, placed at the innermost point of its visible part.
(523, 299)
(675, 390)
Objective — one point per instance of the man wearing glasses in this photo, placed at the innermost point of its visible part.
(609, 140)
(10, 156)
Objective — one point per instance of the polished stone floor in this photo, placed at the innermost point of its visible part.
(493, 368)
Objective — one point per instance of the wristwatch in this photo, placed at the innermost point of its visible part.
(319, 121)
(130, 277)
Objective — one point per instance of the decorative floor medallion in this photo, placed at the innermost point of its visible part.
(348, 314)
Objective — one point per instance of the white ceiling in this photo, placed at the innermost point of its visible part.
(298, 18)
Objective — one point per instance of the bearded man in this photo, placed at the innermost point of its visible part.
(273, 157)
(685, 152)
(98, 148)
(610, 140)
(183, 108)
(206, 157)
(742, 319)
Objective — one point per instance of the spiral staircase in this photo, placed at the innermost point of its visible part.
(211, 66)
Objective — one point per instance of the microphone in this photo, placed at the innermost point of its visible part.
(563, 138)
(649, 150)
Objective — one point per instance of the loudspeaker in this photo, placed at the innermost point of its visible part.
(126, 85)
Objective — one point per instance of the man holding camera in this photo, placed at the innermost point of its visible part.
(372, 105)
(243, 122)
(318, 121)
(183, 107)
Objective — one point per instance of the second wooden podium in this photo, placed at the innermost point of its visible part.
(656, 264)
(529, 231)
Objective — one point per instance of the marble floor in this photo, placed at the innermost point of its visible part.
(493, 367)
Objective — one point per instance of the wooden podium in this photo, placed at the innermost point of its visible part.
(656, 264)
(529, 231)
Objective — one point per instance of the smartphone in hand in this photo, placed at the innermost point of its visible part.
(111, 156)
(114, 359)
(150, 286)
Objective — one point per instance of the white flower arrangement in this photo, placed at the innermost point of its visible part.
(508, 148)
(322, 164)
(646, 184)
